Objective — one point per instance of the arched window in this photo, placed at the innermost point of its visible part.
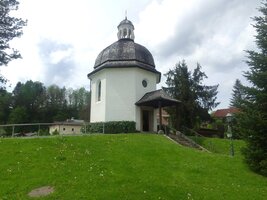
(99, 91)
(124, 33)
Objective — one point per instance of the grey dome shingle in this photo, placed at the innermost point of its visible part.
(125, 51)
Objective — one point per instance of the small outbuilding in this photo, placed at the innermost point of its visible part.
(71, 126)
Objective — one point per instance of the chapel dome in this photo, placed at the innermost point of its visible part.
(125, 52)
(125, 21)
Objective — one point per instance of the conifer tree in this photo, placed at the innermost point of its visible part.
(238, 95)
(253, 118)
(197, 99)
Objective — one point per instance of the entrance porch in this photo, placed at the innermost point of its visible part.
(149, 103)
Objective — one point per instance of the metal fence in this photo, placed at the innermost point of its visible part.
(27, 129)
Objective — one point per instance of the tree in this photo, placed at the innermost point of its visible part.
(41, 104)
(31, 96)
(197, 99)
(18, 115)
(238, 95)
(5, 103)
(10, 27)
(253, 118)
(237, 101)
(56, 104)
(80, 100)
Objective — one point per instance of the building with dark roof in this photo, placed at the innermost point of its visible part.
(123, 83)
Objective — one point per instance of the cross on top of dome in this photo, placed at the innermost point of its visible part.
(126, 29)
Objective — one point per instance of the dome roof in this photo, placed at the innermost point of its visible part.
(125, 52)
(125, 21)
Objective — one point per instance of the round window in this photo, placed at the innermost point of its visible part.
(144, 83)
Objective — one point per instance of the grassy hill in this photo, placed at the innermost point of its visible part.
(220, 146)
(127, 166)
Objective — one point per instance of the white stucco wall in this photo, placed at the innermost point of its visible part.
(121, 89)
(65, 129)
(120, 94)
(151, 79)
(98, 108)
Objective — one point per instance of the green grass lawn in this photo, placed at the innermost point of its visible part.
(220, 146)
(126, 166)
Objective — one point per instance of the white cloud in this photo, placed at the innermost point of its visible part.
(57, 56)
(72, 33)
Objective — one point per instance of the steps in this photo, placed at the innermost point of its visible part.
(185, 141)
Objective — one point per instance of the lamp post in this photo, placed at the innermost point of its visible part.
(229, 118)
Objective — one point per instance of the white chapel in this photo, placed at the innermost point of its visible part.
(123, 83)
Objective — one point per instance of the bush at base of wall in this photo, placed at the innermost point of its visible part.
(110, 127)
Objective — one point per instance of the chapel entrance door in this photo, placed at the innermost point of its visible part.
(145, 120)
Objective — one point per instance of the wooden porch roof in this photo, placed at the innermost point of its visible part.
(156, 99)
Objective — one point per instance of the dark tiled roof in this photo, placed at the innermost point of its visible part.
(125, 50)
(125, 53)
(125, 21)
(155, 97)
(221, 113)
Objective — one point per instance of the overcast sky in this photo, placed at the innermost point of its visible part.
(63, 38)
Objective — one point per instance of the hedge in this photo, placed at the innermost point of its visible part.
(110, 127)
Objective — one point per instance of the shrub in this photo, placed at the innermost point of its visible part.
(44, 132)
(55, 132)
(110, 127)
(3, 132)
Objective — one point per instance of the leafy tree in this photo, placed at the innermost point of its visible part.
(84, 112)
(56, 104)
(41, 104)
(197, 99)
(56, 96)
(5, 103)
(10, 27)
(253, 118)
(18, 115)
(80, 100)
(238, 95)
(30, 95)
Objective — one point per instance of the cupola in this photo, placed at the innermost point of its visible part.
(126, 29)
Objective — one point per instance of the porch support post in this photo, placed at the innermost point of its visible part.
(160, 116)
